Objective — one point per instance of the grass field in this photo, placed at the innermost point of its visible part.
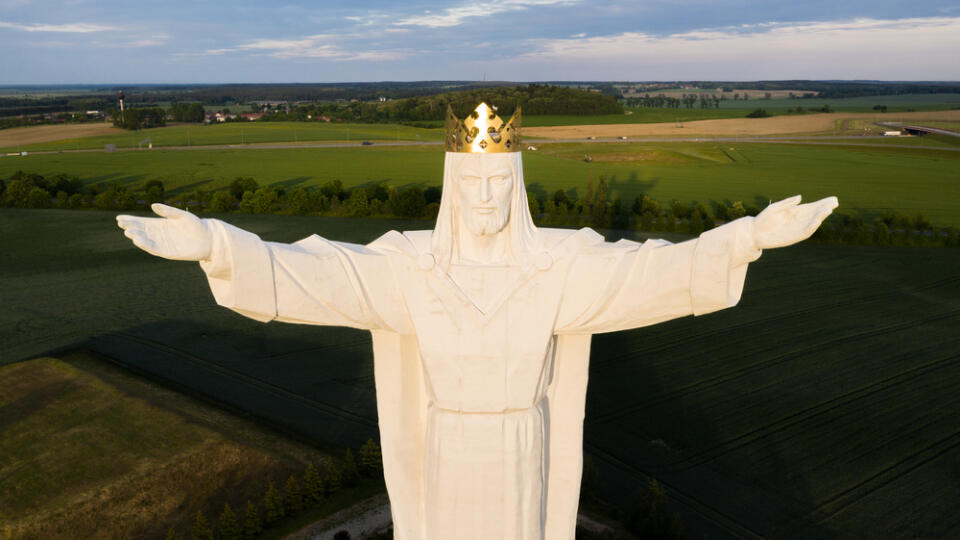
(868, 180)
(824, 405)
(236, 133)
(91, 451)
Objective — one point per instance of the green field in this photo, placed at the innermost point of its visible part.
(894, 103)
(824, 405)
(868, 180)
(90, 450)
(232, 133)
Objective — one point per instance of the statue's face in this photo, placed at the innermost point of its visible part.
(484, 190)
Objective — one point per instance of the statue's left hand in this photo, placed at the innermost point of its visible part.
(176, 234)
(787, 222)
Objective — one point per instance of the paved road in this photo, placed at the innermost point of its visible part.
(830, 140)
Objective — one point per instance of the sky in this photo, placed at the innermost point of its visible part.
(212, 41)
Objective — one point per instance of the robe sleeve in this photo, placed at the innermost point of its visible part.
(313, 281)
(628, 285)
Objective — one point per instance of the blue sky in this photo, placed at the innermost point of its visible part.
(106, 41)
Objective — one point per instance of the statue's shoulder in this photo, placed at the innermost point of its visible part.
(409, 242)
(569, 238)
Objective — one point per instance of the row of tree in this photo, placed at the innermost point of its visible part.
(296, 497)
(535, 99)
(139, 118)
(706, 101)
(592, 207)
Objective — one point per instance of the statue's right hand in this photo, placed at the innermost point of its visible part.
(176, 234)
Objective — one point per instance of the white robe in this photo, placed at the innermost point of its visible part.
(481, 400)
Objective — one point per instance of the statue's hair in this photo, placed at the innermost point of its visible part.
(522, 233)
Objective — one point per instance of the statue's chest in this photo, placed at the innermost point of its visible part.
(485, 336)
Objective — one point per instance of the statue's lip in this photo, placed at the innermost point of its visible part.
(484, 209)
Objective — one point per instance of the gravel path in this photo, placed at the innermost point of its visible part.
(365, 517)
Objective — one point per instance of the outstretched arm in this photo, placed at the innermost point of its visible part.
(628, 285)
(313, 281)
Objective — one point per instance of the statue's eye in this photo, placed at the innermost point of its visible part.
(498, 179)
(470, 179)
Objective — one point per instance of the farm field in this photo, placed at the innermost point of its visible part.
(894, 103)
(227, 133)
(868, 180)
(27, 137)
(91, 451)
(824, 405)
(813, 124)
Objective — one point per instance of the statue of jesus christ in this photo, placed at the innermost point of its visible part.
(481, 327)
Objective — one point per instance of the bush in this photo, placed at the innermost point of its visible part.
(758, 113)
(410, 202)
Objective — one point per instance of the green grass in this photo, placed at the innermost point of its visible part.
(236, 133)
(824, 405)
(868, 180)
(91, 451)
(638, 115)
(894, 103)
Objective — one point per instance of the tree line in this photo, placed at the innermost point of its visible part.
(296, 497)
(535, 99)
(592, 207)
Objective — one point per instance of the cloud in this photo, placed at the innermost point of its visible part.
(858, 48)
(78, 27)
(315, 46)
(456, 16)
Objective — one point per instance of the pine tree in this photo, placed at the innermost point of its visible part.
(349, 473)
(201, 531)
(371, 462)
(332, 481)
(229, 527)
(312, 486)
(171, 535)
(251, 522)
(272, 505)
(293, 500)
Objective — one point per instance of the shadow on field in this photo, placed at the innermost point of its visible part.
(310, 382)
(291, 182)
(116, 178)
(645, 422)
(632, 184)
(187, 188)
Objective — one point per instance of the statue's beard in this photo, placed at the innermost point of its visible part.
(482, 224)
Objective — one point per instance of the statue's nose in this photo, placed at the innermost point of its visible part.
(485, 194)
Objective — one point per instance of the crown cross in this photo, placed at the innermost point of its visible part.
(482, 132)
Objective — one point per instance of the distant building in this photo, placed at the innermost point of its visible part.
(891, 133)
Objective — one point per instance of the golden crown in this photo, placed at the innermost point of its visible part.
(482, 132)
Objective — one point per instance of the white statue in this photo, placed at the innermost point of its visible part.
(481, 328)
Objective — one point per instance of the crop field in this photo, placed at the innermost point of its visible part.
(868, 180)
(232, 133)
(92, 451)
(804, 124)
(824, 405)
(894, 103)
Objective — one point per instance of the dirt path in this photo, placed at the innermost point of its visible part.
(39, 134)
(363, 518)
(777, 125)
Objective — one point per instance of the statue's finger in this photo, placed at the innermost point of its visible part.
(163, 210)
(135, 233)
(147, 245)
(128, 221)
(789, 202)
(831, 202)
